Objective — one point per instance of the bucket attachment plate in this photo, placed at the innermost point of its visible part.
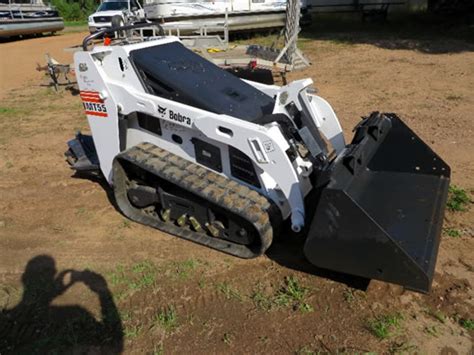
(82, 155)
(381, 211)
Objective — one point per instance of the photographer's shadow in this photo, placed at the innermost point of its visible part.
(37, 326)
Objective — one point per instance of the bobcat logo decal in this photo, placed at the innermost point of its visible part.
(161, 111)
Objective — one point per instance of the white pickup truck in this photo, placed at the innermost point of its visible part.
(115, 11)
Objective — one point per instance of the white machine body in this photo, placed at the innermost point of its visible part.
(111, 88)
(159, 112)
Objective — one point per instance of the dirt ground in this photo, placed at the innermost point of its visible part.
(137, 290)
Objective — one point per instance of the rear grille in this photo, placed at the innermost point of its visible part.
(100, 19)
(149, 123)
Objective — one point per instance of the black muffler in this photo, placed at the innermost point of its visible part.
(381, 209)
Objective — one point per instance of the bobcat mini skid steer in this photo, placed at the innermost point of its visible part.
(199, 153)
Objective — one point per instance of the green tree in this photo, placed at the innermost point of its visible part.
(75, 10)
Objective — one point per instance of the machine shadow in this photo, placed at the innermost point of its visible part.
(35, 325)
(99, 179)
(287, 251)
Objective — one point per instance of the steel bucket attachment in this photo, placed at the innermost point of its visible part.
(381, 211)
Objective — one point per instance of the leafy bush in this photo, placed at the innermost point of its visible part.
(75, 10)
(458, 199)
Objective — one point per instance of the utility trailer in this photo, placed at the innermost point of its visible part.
(258, 63)
(229, 163)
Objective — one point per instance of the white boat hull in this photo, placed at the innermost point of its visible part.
(244, 22)
(241, 16)
(17, 27)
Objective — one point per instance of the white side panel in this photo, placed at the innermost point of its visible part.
(100, 108)
(204, 124)
(270, 90)
(318, 109)
(329, 124)
(111, 89)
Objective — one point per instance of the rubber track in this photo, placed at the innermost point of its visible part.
(226, 194)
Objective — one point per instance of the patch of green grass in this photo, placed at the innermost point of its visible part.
(431, 330)
(167, 319)
(125, 316)
(125, 223)
(438, 315)
(467, 324)
(8, 110)
(132, 331)
(293, 294)
(143, 281)
(349, 296)
(228, 291)
(401, 348)
(185, 268)
(305, 308)
(202, 284)
(136, 277)
(75, 23)
(261, 300)
(144, 275)
(457, 199)
(305, 350)
(118, 276)
(291, 291)
(142, 266)
(452, 232)
(158, 350)
(384, 326)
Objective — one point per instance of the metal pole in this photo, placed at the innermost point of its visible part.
(10, 8)
(292, 27)
(226, 27)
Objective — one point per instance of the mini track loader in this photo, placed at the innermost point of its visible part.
(204, 155)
